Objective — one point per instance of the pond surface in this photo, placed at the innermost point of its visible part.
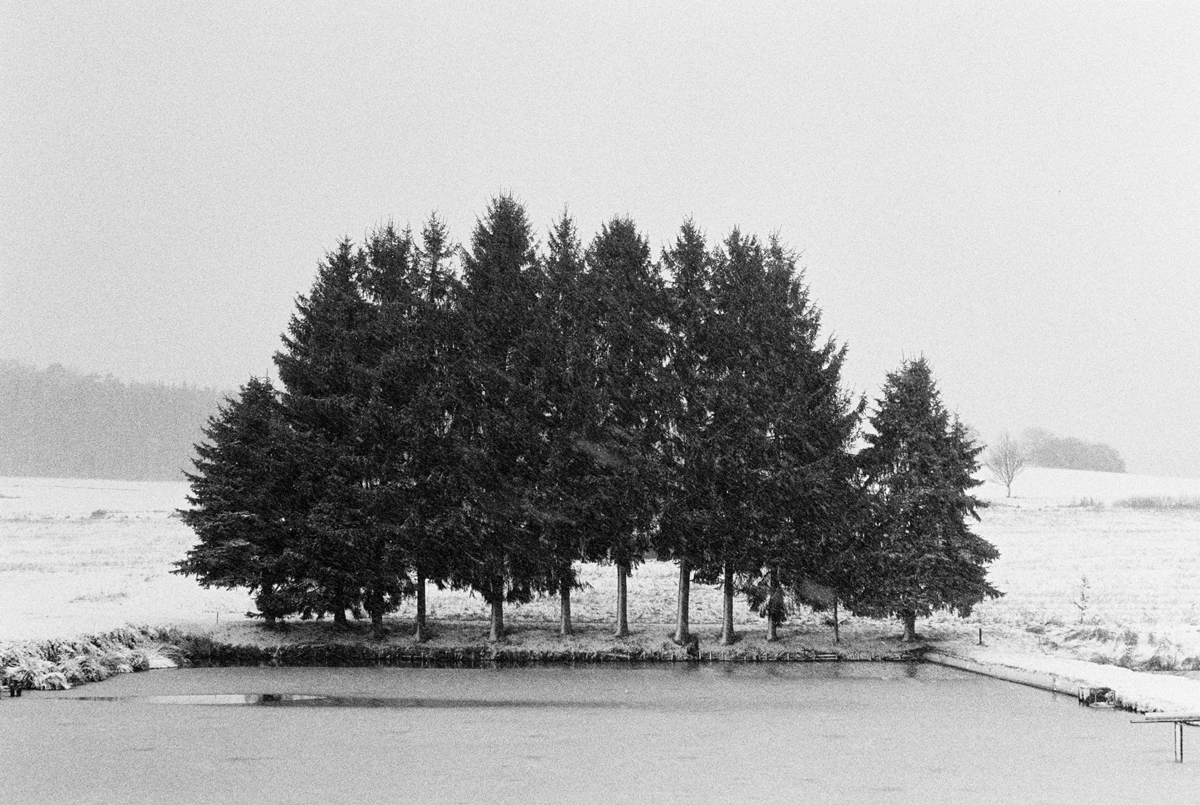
(829, 733)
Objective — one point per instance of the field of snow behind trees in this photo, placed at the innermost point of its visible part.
(81, 556)
(1108, 563)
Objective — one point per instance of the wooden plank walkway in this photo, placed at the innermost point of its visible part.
(1178, 719)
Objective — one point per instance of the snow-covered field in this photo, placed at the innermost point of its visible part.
(82, 556)
(1036, 487)
(86, 555)
(1072, 555)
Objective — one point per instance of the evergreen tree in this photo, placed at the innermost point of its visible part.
(247, 502)
(628, 305)
(430, 536)
(740, 348)
(760, 476)
(806, 498)
(388, 493)
(326, 367)
(919, 463)
(569, 380)
(499, 426)
(686, 529)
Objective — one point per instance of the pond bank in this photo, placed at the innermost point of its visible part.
(465, 644)
(1010, 654)
(57, 663)
(1139, 691)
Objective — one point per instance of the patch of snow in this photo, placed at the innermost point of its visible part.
(1038, 486)
(66, 498)
(1135, 690)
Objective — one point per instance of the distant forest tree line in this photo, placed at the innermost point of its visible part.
(1043, 449)
(61, 424)
(488, 417)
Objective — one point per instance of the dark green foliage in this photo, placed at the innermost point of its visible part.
(686, 529)
(808, 503)
(572, 396)
(411, 455)
(247, 496)
(433, 406)
(497, 430)
(626, 303)
(327, 363)
(760, 477)
(488, 429)
(919, 462)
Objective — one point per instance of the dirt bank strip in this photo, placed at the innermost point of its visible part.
(1133, 690)
(59, 663)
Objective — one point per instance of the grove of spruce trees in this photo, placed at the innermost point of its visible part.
(489, 417)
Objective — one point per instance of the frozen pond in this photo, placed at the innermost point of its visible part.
(846, 732)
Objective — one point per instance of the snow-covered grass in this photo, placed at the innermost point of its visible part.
(86, 556)
(1037, 487)
(89, 556)
(1118, 583)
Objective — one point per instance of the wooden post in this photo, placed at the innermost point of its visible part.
(1178, 741)
(836, 635)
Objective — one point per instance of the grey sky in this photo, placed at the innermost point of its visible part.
(1011, 190)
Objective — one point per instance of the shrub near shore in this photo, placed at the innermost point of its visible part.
(59, 664)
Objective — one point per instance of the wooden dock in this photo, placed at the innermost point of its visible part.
(1180, 720)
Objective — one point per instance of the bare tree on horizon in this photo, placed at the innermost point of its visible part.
(1005, 460)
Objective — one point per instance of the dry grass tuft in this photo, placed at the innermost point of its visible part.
(1160, 503)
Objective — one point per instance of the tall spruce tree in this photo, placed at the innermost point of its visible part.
(430, 536)
(919, 463)
(685, 530)
(499, 427)
(740, 352)
(388, 428)
(760, 428)
(248, 503)
(805, 495)
(628, 304)
(569, 380)
(326, 365)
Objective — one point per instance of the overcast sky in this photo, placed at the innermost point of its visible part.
(1012, 191)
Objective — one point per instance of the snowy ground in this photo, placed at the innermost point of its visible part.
(81, 556)
(1128, 577)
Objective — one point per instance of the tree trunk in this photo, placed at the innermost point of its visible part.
(727, 636)
(339, 608)
(377, 622)
(1008, 489)
(682, 628)
(774, 605)
(622, 602)
(497, 631)
(564, 609)
(419, 633)
(837, 636)
(910, 625)
(265, 605)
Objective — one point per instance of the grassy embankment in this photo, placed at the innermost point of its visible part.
(86, 557)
